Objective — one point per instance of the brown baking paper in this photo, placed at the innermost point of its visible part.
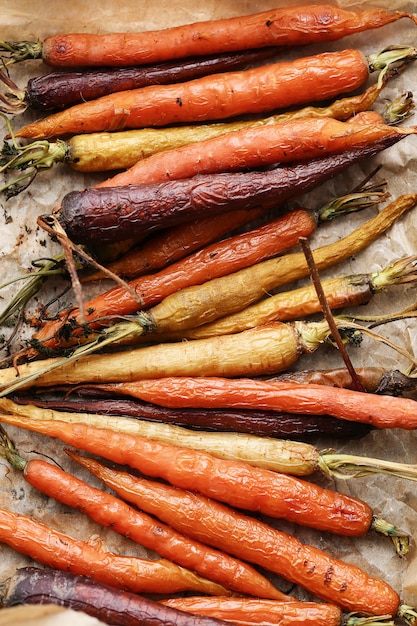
(22, 242)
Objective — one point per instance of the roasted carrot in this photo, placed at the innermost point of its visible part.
(235, 532)
(154, 288)
(342, 291)
(244, 611)
(271, 87)
(226, 296)
(55, 549)
(260, 351)
(118, 213)
(235, 482)
(57, 90)
(172, 244)
(381, 411)
(288, 457)
(231, 254)
(112, 512)
(122, 150)
(259, 146)
(254, 422)
(354, 109)
(31, 585)
(111, 214)
(374, 379)
(287, 26)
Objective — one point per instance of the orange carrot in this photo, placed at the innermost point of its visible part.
(297, 139)
(98, 152)
(255, 541)
(172, 244)
(380, 411)
(53, 548)
(259, 146)
(245, 611)
(234, 482)
(109, 511)
(289, 26)
(258, 90)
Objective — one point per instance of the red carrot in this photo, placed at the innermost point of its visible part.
(289, 26)
(265, 88)
(237, 483)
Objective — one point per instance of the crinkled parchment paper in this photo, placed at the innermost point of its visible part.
(22, 242)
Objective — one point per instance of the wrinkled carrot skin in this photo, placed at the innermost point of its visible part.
(257, 90)
(146, 207)
(31, 585)
(109, 511)
(373, 379)
(94, 152)
(298, 139)
(52, 548)
(237, 483)
(170, 245)
(380, 411)
(123, 150)
(254, 422)
(57, 90)
(245, 611)
(289, 26)
(234, 532)
(119, 301)
(218, 259)
(284, 306)
(194, 306)
(260, 351)
(233, 295)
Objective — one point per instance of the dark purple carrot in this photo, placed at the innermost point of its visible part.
(109, 214)
(32, 585)
(253, 422)
(57, 90)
